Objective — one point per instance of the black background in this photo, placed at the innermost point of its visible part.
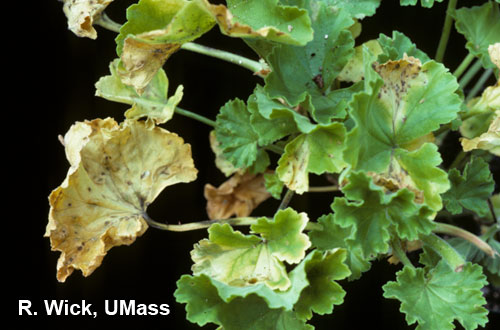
(50, 74)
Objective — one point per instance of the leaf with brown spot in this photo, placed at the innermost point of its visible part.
(82, 14)
(239, 196)
(116, 172)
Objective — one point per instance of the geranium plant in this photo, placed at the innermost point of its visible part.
(368, 117)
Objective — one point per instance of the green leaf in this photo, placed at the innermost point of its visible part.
(473, 254)
(322, 269)
(480, 26)
(155, 30)
(437, 297)
(247, 260)
(375, 214)
(274, 21)
(153, 103)
(234, 132)
(318, 152)
(204, 305)
(395, 119)
(470, 190)
(354, 71)
(394, 48)
(273, 185)
(423, 3)
(357, 9)
(333, 236)
(311, 70)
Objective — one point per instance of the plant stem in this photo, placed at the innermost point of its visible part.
(445, 35)
(398, 251)
(470, 74)
(286, 200)
(194, 116)
(445, 250)
(492, 210)
(479, 84)
(242, 221)
(461, 155)
(274, 148)
(323, 189)
(108, 23)
(247, 63)
(443, 228)
(464, 65)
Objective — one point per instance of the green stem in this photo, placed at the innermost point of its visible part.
(274, 148)
(398, 251)
(249, 64)
(464, 65)
(456, 162)
(194, 116)
(242, 221)
(443, 228)
(445, 35)
(323, 189)
(445, 250)
(479, 84)
(473, 70)
(108, 23)
(286, 200)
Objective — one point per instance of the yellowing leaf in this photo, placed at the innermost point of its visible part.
(224, 165)
(82, 14)
(494, 52)
(116, 172)
(487, 141)
(239, 196)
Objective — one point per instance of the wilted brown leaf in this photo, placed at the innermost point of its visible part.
(82, 14)
(239, 196)
(116, 172)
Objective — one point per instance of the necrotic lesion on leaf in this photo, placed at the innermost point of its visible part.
(116, 172)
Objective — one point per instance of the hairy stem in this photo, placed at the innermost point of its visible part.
(194, 116)
(443, 228)
(286, 200)
(247, 63)
(471, 72)
(445, 250)
(464, 65)
(445, 35)
(107, 23)
(398, 251)
(479, 84)
(323, 189)
(241, 221)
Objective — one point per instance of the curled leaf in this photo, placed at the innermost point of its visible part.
(82, 14)
(487, 141)
(239, 196)
(116, 172)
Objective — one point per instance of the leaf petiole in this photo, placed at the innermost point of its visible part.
(398, 251)
(443, 228)
(445, 35)
(471, 72)
(445, 250)
(194, 116)
(464, 65)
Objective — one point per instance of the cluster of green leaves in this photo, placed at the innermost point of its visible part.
(372, 115)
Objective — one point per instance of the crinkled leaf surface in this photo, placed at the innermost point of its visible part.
(153, 103)
(239, 196)
(317, 152)
(82, 14)
(116, 172)
(357, 9)
(423, 3)
(489, 140)
(235, 134)
(221, 162)
(333, 236)
(273, 185)
(408, 101)
(245, 260)
(396, 47)
(323, 269)
(204, 305)
(436, 297)
(311, 70)
(376, 214)
(471, 189)
(480, 26)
